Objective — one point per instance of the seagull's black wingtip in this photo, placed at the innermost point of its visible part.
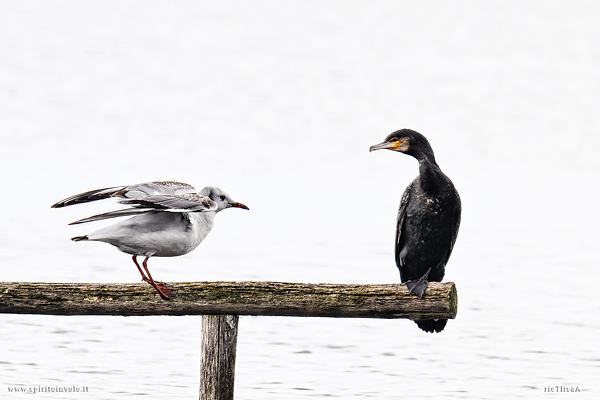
(79, 238)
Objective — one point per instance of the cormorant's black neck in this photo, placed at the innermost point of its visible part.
(432, 177)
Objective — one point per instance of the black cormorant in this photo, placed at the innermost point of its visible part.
(428, 219)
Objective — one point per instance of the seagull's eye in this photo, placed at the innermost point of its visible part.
(222, 197)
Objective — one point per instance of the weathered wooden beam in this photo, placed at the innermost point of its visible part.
(230, 298)
(217, 358)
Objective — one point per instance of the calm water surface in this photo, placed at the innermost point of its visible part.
(278, 103)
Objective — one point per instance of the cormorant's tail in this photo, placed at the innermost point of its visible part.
(432, 325)
(79, 238)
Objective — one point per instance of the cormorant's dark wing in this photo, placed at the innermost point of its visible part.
(399, 230)
(455, 224)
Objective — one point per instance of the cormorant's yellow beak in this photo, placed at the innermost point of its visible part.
(386, 145)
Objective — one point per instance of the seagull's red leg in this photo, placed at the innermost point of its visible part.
(160, 287)
(144, 277)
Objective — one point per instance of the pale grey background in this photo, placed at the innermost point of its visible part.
(278, 103)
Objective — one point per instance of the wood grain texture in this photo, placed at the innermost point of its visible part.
(231, 298)
(217, 363)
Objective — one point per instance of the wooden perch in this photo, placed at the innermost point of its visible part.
(230, 298)
(221, 304)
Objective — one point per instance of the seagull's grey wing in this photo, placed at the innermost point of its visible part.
(92, 195)
(179, 203)
(175, 203)
(142, 190)
(114, 214)
(137, 191)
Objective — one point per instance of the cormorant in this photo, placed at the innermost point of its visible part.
(428, 219)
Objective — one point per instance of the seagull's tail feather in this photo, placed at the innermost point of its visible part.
(79, 238)
(91, 195)
(113, 214)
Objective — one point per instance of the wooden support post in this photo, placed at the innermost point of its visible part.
(219, 343)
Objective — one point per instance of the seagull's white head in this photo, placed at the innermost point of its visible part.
(222, 199)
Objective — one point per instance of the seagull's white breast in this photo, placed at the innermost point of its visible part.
(160, 234)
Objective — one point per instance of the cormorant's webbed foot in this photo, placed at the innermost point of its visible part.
(418, 286)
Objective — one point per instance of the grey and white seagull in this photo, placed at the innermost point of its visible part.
(168, 219)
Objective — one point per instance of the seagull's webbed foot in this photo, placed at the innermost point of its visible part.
(418, 286)
(162, 289)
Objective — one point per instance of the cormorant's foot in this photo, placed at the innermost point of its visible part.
(163, 290)
(417, 287)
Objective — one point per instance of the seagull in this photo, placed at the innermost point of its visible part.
(428, 219)
(168, 219)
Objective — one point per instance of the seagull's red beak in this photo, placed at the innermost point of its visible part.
(239, 205)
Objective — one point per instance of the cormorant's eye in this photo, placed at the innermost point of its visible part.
(394, 139)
